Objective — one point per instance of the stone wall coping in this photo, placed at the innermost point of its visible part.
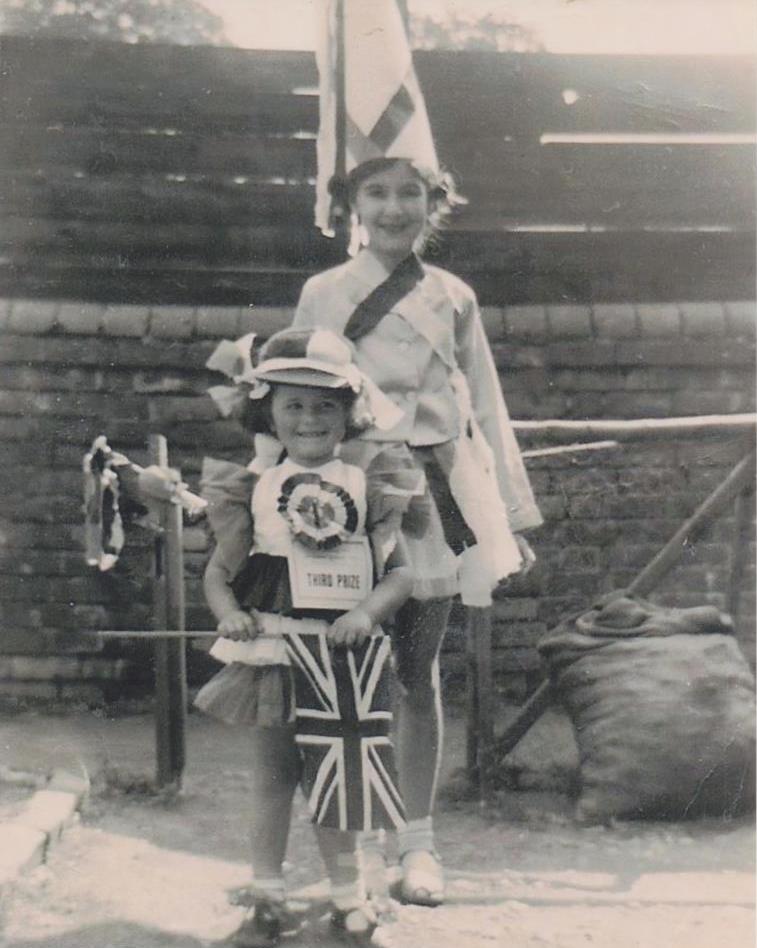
(529, 323)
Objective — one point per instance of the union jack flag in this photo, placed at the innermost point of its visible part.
(344, 716)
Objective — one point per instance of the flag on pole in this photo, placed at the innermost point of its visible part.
(363, 54)
(344, 717)
(103, 525)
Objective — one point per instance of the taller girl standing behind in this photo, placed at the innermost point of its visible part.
(418, 335)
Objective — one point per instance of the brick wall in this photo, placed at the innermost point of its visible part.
(71, 371)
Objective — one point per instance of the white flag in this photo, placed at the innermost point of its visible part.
(386, 114)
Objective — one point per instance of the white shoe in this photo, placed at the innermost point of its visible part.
(422, 878)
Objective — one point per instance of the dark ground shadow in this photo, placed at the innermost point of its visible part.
(112, 935)
(315, 933)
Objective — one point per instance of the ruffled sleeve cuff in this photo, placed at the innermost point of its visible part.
(227, 487)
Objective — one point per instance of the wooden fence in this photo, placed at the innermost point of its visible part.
(180, 174)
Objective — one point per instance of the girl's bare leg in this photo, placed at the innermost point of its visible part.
(352, 913)
(418, 633)
(337, 850)
(275, 773)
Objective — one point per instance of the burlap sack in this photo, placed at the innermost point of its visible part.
(663, 708)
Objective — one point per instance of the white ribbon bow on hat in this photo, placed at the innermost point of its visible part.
(326, 355)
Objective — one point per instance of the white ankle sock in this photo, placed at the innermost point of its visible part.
(416, 834)
(372, 841)
(347, 895)
(272, 888)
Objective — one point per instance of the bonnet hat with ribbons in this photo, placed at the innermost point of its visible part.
(318, 358)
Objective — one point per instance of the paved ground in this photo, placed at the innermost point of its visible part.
(142, 871)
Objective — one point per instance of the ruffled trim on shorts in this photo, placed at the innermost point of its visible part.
(261, 695)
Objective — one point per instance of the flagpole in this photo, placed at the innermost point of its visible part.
(340, 165)
(341, 222)
(405, 14)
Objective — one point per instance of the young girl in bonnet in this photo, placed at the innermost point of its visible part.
(418, 335)
(306, 567)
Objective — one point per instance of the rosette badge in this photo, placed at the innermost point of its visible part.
(320, 514)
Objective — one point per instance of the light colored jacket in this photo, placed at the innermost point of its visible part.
(412, 355)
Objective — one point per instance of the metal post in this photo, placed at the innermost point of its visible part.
(170, 653)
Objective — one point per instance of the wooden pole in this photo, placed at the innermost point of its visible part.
(743, 517)
(170, 653)
(650, 577)
(340, 85)
(471, 701)
(340, 220)
(572, 448)
(480, 743)
(405, 14)
(153, 633)
(641, 429)
(529, 714)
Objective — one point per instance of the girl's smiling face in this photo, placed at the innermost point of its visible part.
(309, 422)
(393, 207)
